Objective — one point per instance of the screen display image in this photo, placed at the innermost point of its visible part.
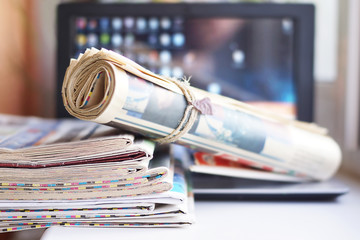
(247, 59)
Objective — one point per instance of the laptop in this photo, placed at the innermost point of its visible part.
(261, 54)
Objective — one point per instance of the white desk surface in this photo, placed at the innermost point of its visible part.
(338, 220)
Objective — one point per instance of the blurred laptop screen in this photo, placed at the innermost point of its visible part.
(248, 59)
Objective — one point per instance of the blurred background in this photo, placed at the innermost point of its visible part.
(28, 65)
(28, 33)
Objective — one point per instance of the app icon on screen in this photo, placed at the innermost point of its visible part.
(165, 23)
(165, 39)
(153, 24)
(178, 39)
(129, 22)
(104, 24)
(153, 40)
(117, 24)
(80, 23)
(81, 40)
(165, 57)
(92, 25)
(92, 39)
(116, 40)
(153, 58)
(141, 24)
(104, 38)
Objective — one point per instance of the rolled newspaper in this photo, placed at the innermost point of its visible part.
(105, 87)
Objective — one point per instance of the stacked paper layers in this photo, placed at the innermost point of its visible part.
(75, 173)
(167, 209)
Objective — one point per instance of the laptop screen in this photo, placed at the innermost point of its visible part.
(261, 54)
(243, 58)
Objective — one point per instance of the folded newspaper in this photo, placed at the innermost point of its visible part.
(76, 173)
(105, 87)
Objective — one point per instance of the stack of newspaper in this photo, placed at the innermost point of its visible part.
(76, 173)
